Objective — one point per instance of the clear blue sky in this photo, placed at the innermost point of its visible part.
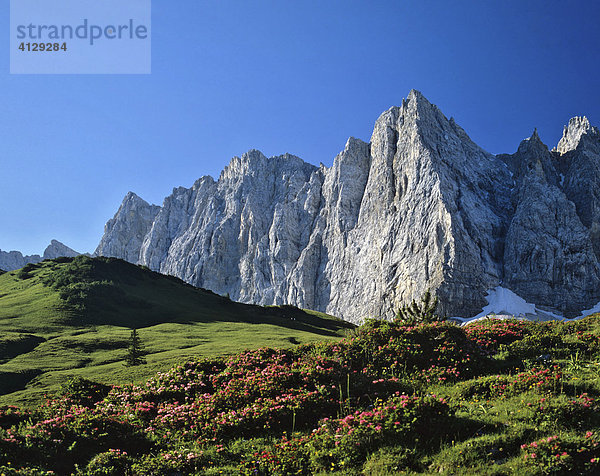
(280, 76)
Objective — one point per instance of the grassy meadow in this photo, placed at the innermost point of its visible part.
(72, 317)
(232, 389)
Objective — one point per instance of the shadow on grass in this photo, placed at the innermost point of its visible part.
(14, 344)
(15, 381)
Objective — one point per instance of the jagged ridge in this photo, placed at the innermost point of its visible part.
(419, 207)
(15, 259)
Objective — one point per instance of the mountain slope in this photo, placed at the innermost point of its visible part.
(419, 207)
(72, 316)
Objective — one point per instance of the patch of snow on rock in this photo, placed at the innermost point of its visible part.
(505, 304)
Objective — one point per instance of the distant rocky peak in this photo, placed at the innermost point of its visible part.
(533, 143)
(56, 250)
(12, 260)
(573, 132)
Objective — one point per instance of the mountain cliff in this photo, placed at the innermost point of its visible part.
(419, 207)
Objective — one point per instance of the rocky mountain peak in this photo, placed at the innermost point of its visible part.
(15, 259)
(56, 250)
(532, 161)
(417, 99)
(254, 164)
(417, 107)
(533, 148)
(131, 199)
(573, 132)
(125, 232)
(534, 141)
(420, 206)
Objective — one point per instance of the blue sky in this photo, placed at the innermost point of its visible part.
(279, 76)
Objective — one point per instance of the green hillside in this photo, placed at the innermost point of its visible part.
(72, 317)
(495, 397)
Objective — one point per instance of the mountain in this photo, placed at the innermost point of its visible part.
(73, 316)
(124, 234)
(15, 260)
(57, 250)
(419, 207)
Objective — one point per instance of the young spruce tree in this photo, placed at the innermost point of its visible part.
(135, 351)
(415, 313)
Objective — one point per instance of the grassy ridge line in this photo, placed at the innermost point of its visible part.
(72, 316)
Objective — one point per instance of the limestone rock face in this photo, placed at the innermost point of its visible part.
(418, 207)
(240, 235)
(124, 234)
(572, 134)
(549, 257)
(578, 159)
(432, 214)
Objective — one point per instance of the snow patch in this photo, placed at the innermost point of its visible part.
(505, 304)
(504, 301)
(587, 312)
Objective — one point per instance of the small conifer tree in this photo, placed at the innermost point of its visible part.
(135, 351)
(416, 313)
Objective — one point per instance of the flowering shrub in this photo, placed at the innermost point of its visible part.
(330, 406)
(560, 455)
(345, 442)
(430, 352)
(571, 413)
(590, 341)
(83, 392)
(73, 437)
(11, 415)
(287, 456)
(27, 471)
(170, 462)
(536, 379)
(111, 463)
(490, 334)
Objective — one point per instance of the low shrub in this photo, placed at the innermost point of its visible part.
(563, 454)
